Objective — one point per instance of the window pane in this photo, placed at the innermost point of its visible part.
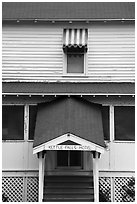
(124, 123)
(62, 158)
(32, 121)
(105, 119)
(75, 63)
(12, 122)
(75, 158)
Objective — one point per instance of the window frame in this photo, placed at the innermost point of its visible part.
(108, 106)
(65, 73)
(30, 140)
(113, 123)
(26, 122)
(85, 52)
(22, 140)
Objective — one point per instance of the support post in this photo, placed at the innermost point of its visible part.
(41, 175)
(96, 176)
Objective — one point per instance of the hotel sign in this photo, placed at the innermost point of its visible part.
(70, 147)
(76, 144)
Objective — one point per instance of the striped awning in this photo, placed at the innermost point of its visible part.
(75, 38)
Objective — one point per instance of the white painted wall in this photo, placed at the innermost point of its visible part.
(34, 52)
(19, 156)
(119, 157)
(111, 52)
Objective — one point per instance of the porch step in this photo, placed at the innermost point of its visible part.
(68, 189)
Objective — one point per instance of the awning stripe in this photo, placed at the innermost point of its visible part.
(78, 36)
(72, 37)
(66, 37)
(75, 38)
(83, 37)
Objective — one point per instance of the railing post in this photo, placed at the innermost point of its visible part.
(96, 176)
(41, 175)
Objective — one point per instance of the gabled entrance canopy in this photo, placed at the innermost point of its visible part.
(69, 119)
(76, 143)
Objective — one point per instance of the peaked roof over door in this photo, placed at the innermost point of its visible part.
(72, 115)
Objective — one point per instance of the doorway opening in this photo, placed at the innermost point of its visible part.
(69, 159)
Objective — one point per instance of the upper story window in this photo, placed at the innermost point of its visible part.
(124, 119)
(13, 122)
(75, 48)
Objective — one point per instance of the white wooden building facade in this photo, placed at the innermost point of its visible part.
(35, 70)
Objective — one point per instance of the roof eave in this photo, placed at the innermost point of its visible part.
(67, 20)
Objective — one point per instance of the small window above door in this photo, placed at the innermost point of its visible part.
(75, 63)
(75, 48)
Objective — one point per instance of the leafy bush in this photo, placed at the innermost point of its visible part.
(103, 197)
(4, 198)
(128, 191)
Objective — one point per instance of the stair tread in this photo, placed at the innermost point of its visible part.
(68, 200)
(69, 181)
(69, 187)
(68, 196)
(69, 192)
(68, 184)
(68, 176)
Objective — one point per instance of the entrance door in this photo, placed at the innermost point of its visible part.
(69, 159)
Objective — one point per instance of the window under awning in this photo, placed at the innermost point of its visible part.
(75, 38)
(68, 119)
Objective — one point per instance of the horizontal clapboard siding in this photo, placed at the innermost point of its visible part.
(34, 52)
(31, 52)
(111, 52)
